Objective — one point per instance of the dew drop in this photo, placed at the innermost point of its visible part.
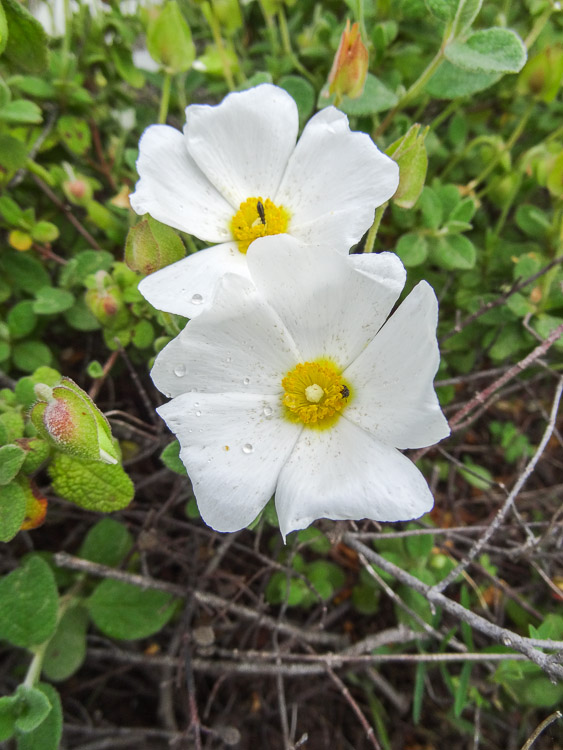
(197, 299)
(247, 448)
(180, 371)
(246, 381)
(198, 414)
(227, 360)
(268, 411)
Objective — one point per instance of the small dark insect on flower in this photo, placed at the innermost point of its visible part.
(345, 391)
(261, 214)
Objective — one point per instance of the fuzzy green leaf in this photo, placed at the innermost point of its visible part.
(26, 47)
(67, 648)
(28, 615)
(12, 512)
(47, 735)
(127, 612)
(106, 543)
(494, 50)
(91, 484)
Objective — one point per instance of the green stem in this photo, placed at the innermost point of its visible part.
(272, 31)
(65, 49)
(374, 228)
(507, 147)
(288, 50)
(165, 98)
(213, 23)
(538, 27)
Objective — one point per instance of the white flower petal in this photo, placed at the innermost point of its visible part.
(329, 308)
(344, 473)
(173, 190)
(188, 286)
(385, 268)
(233, 446)
(334, 180)
(394, 397)
(238, 345)
(242, 145)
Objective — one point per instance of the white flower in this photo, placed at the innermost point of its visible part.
(294, 384)
(236, 174)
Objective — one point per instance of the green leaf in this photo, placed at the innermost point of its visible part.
(170, 457)
(47, 735)
(169, 39)
(13, 153)
(33, 708)
(376, 97)
(451, 82)
(12, 511)
(74, 133)
(127, 612)
(27, 40)
(8, 714)
(302, 92)
(420, 546)
(91, 484)
(50, 301)
(412, 249)
(24, 271)
(454, 251)
(11, 460)
(495, 50)
(477, 476)
(431, 206)
(106, 543)
(45, 231)
(67, 648)
(462, 688)
(21, 319)
(28, 615)
(21, 110)
(29, 355)
(3, 36)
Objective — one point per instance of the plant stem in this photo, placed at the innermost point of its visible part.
(213, 23)
(165, 98)
(511, 141)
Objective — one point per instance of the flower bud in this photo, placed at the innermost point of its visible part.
(543, 73)
(68, 418)
(169, 39)
(410, 154)
(350, 67)
(150, 246)
(78, 191)
(105, 301)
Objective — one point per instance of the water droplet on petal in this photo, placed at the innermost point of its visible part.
(198, 414)
(246, 381)
(247, 448)
(180, 371)
(268, 411)
(197, 299)
(227, 360)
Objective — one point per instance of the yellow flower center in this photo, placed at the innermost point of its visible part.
(315, 394)
(257, 218)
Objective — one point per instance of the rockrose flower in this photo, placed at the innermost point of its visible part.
(236, 174)
(294, 383)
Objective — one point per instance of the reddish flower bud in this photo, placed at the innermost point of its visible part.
(350, 67)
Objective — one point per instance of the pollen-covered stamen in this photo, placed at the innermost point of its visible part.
(255, 218)
(315, 393)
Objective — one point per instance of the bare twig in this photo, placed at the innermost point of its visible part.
(64, 560)
(556, 715)
(524, 476)
(512, 640)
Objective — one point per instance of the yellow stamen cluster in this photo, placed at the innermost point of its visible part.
(315, 394)
(257, 218)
